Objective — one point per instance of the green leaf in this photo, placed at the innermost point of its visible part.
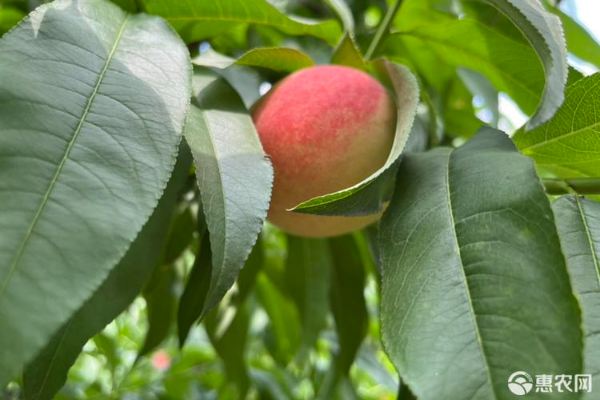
(284, 334)
(474, 284)
(90, 131)
(347, 54)
(230, 346)
(161, 303)
(568, 144)
(509, 64)
(344, 13)
(278, 59)
(579, 41)
(578, 221)
(8, 18)
(181, 234)
(192, 300)
(234, 177)
(347, 299)
(367, 197)
(197, 20)
(47, 373)
(307, 276)
(544, 32)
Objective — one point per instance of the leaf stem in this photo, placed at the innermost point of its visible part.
(589, 186)
(383, 29)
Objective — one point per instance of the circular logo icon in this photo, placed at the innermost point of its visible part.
(520, 383)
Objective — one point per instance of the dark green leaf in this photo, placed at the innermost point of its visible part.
(192, 301)
(347, 300)
(367, 197)
(198, 20)
(234, 177)
(161, 303)
(307, 275)
(90, 131)
(45, 375)
(578, 222)
(474, 284)
(181, 234)
(567, 145)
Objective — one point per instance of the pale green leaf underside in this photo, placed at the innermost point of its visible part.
(474, 285)
(578, 221)
(569, 144)
(368, 196)
(234, 177)
(544, 32)
(510, 65)
(47, 373)
(279, 59)
(90, 129)
(197, 20)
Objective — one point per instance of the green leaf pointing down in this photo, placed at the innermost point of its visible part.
(234, 177)
(93, 106)
(474, 284)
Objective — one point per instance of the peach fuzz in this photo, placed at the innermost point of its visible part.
(325, 129)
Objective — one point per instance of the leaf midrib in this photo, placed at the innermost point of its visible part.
(219, 272)
(20, 251)
(464, 275)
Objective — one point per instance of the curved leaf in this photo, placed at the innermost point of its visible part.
(197, 20)
(279, 59)
(474, 285)
(234, 177)
(578, 222)
(544, 32)
(343, 11)
(368, 196)
(510, 65)
(568, 144)
(47, 373)
(93, 106)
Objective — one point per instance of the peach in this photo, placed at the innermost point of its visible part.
(325, 129)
